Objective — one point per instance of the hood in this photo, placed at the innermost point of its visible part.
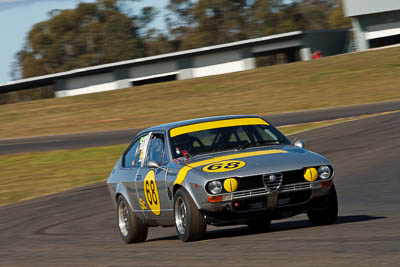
(254, 161)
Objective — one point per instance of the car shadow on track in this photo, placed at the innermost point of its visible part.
(275, 227)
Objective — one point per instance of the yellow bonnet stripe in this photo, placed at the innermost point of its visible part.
(183, 172)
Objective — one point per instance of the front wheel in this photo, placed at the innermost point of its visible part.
(190, 224)
(131, 228)
(327, 215)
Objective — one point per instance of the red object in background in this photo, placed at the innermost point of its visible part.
(316, 55)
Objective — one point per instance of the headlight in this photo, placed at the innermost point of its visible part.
(324, 172)
(215, 187)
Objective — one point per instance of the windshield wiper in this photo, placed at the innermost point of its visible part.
(243, 146)
(209, 150)
(270, 142)
(259, 143)
(220, 147)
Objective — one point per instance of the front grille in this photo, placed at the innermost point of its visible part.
(264, 183)
(251, 193)
(294, 187)
(273, 181)
(293, 177)
(250, 182)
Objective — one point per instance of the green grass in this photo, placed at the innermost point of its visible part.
(333, 81)
(31, 175)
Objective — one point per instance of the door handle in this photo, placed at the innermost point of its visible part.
(138, 177)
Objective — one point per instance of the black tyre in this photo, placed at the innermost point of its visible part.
(190, 224)
(131, 228)
(326, 215)
(259, 225)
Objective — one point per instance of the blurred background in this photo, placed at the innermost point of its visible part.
(50, 37)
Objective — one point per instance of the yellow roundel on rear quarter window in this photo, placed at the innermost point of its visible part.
(310, 174)
(231, 185)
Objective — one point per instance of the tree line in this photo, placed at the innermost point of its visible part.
(108, 31)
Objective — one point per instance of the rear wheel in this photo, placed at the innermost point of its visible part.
(190, 224)
(327, 215)
(131, 228)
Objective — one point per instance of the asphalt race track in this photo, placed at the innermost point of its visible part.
(105, 138)
(78, 227)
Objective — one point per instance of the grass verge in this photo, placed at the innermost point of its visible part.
(30, 175)
(333, 81)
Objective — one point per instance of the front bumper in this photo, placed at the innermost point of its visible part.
(286, 201)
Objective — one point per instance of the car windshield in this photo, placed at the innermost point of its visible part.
(226, 138)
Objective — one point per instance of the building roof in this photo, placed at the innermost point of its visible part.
(50, 78)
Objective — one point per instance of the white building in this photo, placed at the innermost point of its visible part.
(376, 23)
(211, 60)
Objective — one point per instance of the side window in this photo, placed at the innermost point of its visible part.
(130, 156)
(143, 142)
(156, 148)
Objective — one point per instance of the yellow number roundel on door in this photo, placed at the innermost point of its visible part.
(151, 192)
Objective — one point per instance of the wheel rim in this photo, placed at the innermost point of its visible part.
(180, 215)
(123, 218)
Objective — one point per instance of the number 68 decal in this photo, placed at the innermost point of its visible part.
(224, 166)
(151, 192)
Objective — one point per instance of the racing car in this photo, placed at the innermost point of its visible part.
(224, 170)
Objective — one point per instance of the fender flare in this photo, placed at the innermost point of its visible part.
(123, 191)
(186, 186)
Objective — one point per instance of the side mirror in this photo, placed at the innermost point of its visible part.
(299, 143)
(153, 164)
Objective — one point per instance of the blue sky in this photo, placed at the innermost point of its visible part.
(18, 16)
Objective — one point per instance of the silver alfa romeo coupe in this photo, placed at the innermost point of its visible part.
(221, 171)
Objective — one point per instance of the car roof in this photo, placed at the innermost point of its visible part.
(166, 127)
